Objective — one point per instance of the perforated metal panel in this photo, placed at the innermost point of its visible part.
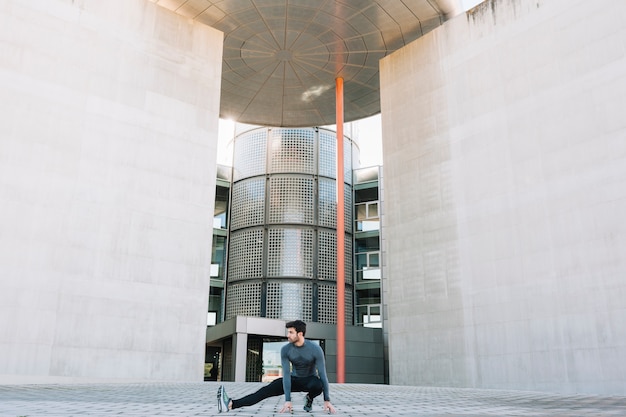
(291, 199)
(292, 150)
(289, 300)
(348, 278)
(327, 206)
(245, 255)
(243, 299)
(299, 190)
(347, 208)
(327, 307)
(248, 203)
(327, 152)
(327, 257)
(349, 306)
(347, 160)
(250, 156)
(290, 252)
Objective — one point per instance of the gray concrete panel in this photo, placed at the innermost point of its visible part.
(108, 132)
(505, 194)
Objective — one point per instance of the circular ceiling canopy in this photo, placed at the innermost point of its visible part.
(281, 57)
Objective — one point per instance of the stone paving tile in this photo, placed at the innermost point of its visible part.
(352, 400)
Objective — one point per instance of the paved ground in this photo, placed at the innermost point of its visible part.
(199, 399)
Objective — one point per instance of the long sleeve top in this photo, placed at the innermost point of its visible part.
(306, 360)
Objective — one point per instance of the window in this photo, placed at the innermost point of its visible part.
(367, 216)
(221, 207)
(367, 266)
(369, 316)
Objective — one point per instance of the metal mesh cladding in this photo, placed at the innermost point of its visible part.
(347, 161)
(290, 252)
(327, 207)
(291, 200)
(347, 212)
(283, 243)
(248, 203)
(289, 300)
(348, 260)
(250, 157)
(292, 150)
(327, 258)
(243, 299)
(246, 254)
(327, 308)
(327, 152)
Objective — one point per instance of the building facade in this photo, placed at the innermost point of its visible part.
(282, 242)
(281, 246)
(505, 171)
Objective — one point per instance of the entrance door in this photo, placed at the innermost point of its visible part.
(211, 362)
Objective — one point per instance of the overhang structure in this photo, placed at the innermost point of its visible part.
(281, 57)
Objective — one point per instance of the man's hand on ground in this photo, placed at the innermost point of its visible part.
(287, 408)
(329, 407)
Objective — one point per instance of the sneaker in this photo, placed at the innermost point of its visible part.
(222, 400)
(308, 405)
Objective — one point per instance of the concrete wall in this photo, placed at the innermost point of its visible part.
(108, 131)
(505, 199)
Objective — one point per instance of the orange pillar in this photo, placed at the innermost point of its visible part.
(341, 304)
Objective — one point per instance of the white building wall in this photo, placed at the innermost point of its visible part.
(505, 196)
(108, 131)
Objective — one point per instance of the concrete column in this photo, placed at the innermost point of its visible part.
(240, 349)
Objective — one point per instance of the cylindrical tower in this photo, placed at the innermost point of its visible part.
(283, 234)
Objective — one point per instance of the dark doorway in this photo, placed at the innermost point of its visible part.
(211, 362)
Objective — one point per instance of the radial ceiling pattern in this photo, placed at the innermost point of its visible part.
(281, 57)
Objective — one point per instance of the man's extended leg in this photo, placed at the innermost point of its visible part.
(273, 389)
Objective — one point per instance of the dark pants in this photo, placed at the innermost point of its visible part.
(312, 384)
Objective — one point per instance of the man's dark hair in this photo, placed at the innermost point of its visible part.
(299, 325)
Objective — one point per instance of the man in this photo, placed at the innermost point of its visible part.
(307, 362)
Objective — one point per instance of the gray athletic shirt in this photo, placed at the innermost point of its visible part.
(305, 360)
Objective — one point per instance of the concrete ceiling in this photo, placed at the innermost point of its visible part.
(281, 57)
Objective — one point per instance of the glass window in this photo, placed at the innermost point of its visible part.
(369, 316)
(372, 211)
(361, 211)
(367, 216)
(361, 261)
(218, 257)
(367, 265)
(221, 207)
(374, 259)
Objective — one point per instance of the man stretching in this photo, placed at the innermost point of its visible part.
(307, 362)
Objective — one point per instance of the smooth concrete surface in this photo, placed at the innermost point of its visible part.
(108, 136)
(504, 229)
(357, 400)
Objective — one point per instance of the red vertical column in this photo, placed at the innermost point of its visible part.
(341, 304)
